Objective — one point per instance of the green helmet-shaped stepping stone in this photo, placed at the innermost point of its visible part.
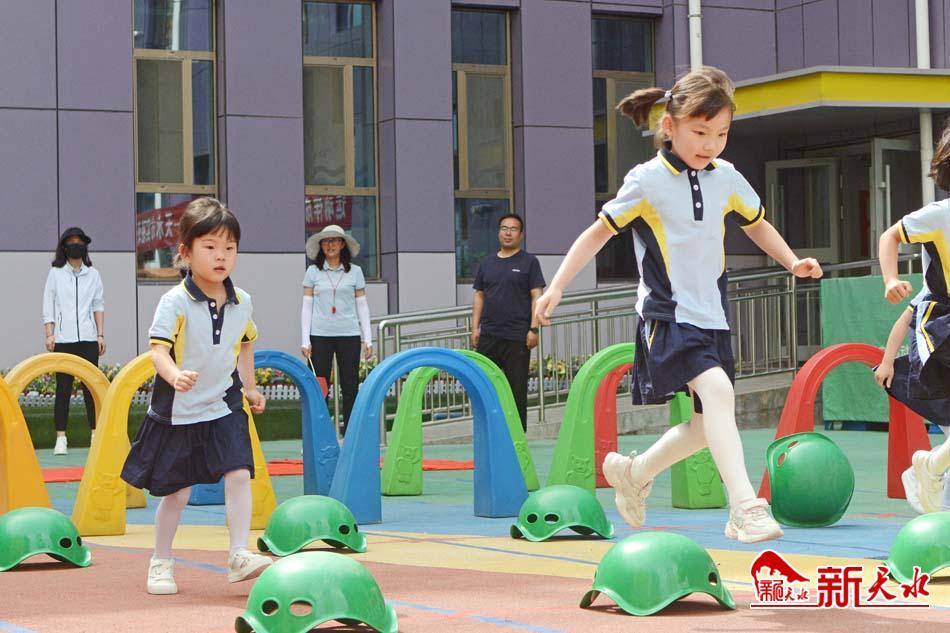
(302, 520)
(924, 542)
(811, 480)
(301, 592)
(29, 531)
(647, 572)
(553, 508)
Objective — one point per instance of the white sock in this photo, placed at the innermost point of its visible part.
(167, 517)
(237, 500)
(678, 443)
(939, 460)
(722, 436)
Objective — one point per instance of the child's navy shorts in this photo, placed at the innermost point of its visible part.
(929, 358)
(166, 458)
(936, 411)
(668, 355)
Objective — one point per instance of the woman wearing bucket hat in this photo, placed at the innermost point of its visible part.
(74, 318)
(334, 320)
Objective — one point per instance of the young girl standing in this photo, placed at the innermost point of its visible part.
(676, 205)
(196, 430)
(74, 318)
(925, 374)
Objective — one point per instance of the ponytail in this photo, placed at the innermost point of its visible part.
(704, 92)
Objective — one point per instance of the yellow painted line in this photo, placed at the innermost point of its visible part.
(565, 558)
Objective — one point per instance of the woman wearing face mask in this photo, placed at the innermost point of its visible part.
(74, 317)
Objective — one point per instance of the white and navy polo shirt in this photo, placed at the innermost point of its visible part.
(678, 217)
(930, 227)
(206, 338)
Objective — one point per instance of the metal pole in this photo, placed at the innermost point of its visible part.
(541, 375)
(793, 335)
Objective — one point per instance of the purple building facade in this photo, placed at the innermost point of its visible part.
(416, 123)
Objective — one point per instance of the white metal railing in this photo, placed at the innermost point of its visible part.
(775, 322)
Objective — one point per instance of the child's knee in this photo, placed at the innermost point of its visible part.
(180, 497)
(239, 476)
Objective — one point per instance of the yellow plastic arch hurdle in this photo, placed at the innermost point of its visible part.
(21, 480)
(24, 373)
(99, 510)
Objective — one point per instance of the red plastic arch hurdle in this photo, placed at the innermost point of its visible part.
(906, 432)
(605, 420)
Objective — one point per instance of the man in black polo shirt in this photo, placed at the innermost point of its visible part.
(507, 285)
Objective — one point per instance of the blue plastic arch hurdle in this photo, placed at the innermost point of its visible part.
(320, 448)
(499, 485)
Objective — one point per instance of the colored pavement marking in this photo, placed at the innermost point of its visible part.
(9, 627)
(568, 557)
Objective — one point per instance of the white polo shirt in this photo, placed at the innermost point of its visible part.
(205, 338)
(334, 287)
(678, 217)
(930, 227)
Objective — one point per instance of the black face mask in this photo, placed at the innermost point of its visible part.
(76, 251)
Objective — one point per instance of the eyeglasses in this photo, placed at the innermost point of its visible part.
(508, 230)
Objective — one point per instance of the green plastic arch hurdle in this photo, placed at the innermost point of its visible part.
(402, 466)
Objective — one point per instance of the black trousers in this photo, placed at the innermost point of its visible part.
(88, 350)
(514, 358)
(348, 350)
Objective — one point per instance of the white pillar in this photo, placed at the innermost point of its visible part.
(922, 20)
(695, 36)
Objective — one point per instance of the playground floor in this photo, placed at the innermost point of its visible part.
(443, 569)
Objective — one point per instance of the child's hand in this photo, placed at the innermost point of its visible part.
(546, 304)
(185, 380)
(884, 374)
(256, 400)
(896, 290)
(808, 267)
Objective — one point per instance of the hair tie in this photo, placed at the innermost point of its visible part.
(668, 94)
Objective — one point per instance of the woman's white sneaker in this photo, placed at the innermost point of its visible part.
(61, 447)
(161, 577)
(751, 523)
(624, 474)
(244, 565)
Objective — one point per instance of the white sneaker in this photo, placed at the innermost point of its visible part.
(161, 578)
(910, 490)
(60, 448)
(245, 565)
(929, 485)
(630, 488)
(751, 523)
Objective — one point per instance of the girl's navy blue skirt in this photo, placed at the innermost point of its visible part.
(668, 355)
(166, 458)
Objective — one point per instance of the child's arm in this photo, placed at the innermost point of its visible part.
(895, 290)
(774, 245)
(246, 369)
(582, 251)
(180, 379)
(885, 371)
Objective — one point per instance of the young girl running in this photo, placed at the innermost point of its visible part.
(196, 430)
(676, 205)
(925, 375)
